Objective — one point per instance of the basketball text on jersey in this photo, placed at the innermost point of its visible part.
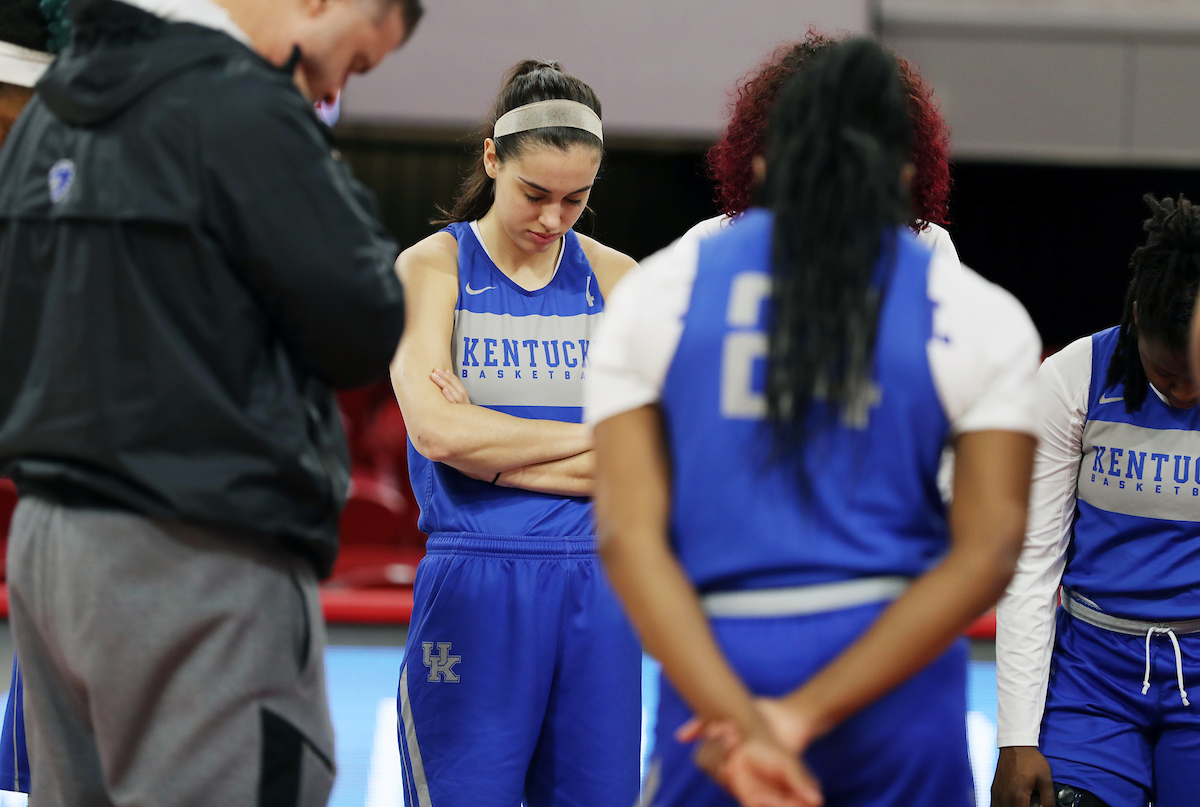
(1136, 471)
(503, 346)
(1138, 497)
(507, 360)
(523, 353)
(518, 351)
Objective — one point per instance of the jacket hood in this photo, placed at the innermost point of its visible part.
(119, 53)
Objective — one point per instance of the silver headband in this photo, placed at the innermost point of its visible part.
(544, 114)
(22, 66)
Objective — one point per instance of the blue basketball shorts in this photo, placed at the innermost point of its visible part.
(521, 679)
(14, 755)
(908, 747)
(1099, 731)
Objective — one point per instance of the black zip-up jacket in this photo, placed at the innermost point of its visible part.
(186, 270)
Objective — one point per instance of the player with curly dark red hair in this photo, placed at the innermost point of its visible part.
(730, 160)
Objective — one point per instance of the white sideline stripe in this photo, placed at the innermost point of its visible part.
(802, 600)
(981, 743)
(16, 760)
(384, 783)
(414, 750)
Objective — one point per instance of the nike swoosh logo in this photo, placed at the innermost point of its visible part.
(473, 292)
(1111, 400)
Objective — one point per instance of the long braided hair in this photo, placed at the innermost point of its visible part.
(1166, 274)
(837, 141)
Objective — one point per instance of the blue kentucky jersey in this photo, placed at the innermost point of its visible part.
(523, 353)
(1135, 551)
(740, 519)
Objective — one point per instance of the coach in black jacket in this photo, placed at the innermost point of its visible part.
(186, 270)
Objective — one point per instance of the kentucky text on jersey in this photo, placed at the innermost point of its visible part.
(522, 353)
(1138, 498)
(571, 356)
(1124, 469)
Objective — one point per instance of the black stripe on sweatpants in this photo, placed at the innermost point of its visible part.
(282, 758)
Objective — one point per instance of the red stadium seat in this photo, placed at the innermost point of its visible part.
(374, 512)
(385, 445)
(372, 580)
(367, 607)
(984, 627)
(358, 407)
(376, 566)
(8, 503)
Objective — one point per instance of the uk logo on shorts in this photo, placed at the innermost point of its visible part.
(441, 667)
(62, 179)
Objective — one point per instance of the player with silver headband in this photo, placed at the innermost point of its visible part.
(522, 679)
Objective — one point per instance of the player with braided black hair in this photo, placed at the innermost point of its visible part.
(1166, 272)
(813, 337)
(31, 31)
(1115, 518)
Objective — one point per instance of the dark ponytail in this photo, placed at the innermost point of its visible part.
(837, 140)
(1166, 273)
(528, 82)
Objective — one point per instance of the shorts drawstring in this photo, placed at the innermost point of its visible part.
(1178, 661)
(1088, 612)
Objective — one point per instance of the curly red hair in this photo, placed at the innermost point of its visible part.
(729, 161)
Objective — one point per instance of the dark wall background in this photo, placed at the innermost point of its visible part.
(1058, 237)
(648, 192)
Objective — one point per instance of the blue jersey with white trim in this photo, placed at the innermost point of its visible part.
(739, 518)
(523, 353)
(14, 752)
(1135, 547)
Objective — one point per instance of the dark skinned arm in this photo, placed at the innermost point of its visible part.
(632, 509)
(987, 527)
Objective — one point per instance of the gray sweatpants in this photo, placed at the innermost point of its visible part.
(166, 665)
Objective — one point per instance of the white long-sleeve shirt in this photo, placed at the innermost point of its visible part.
(1025, 626)
(1025, 615)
